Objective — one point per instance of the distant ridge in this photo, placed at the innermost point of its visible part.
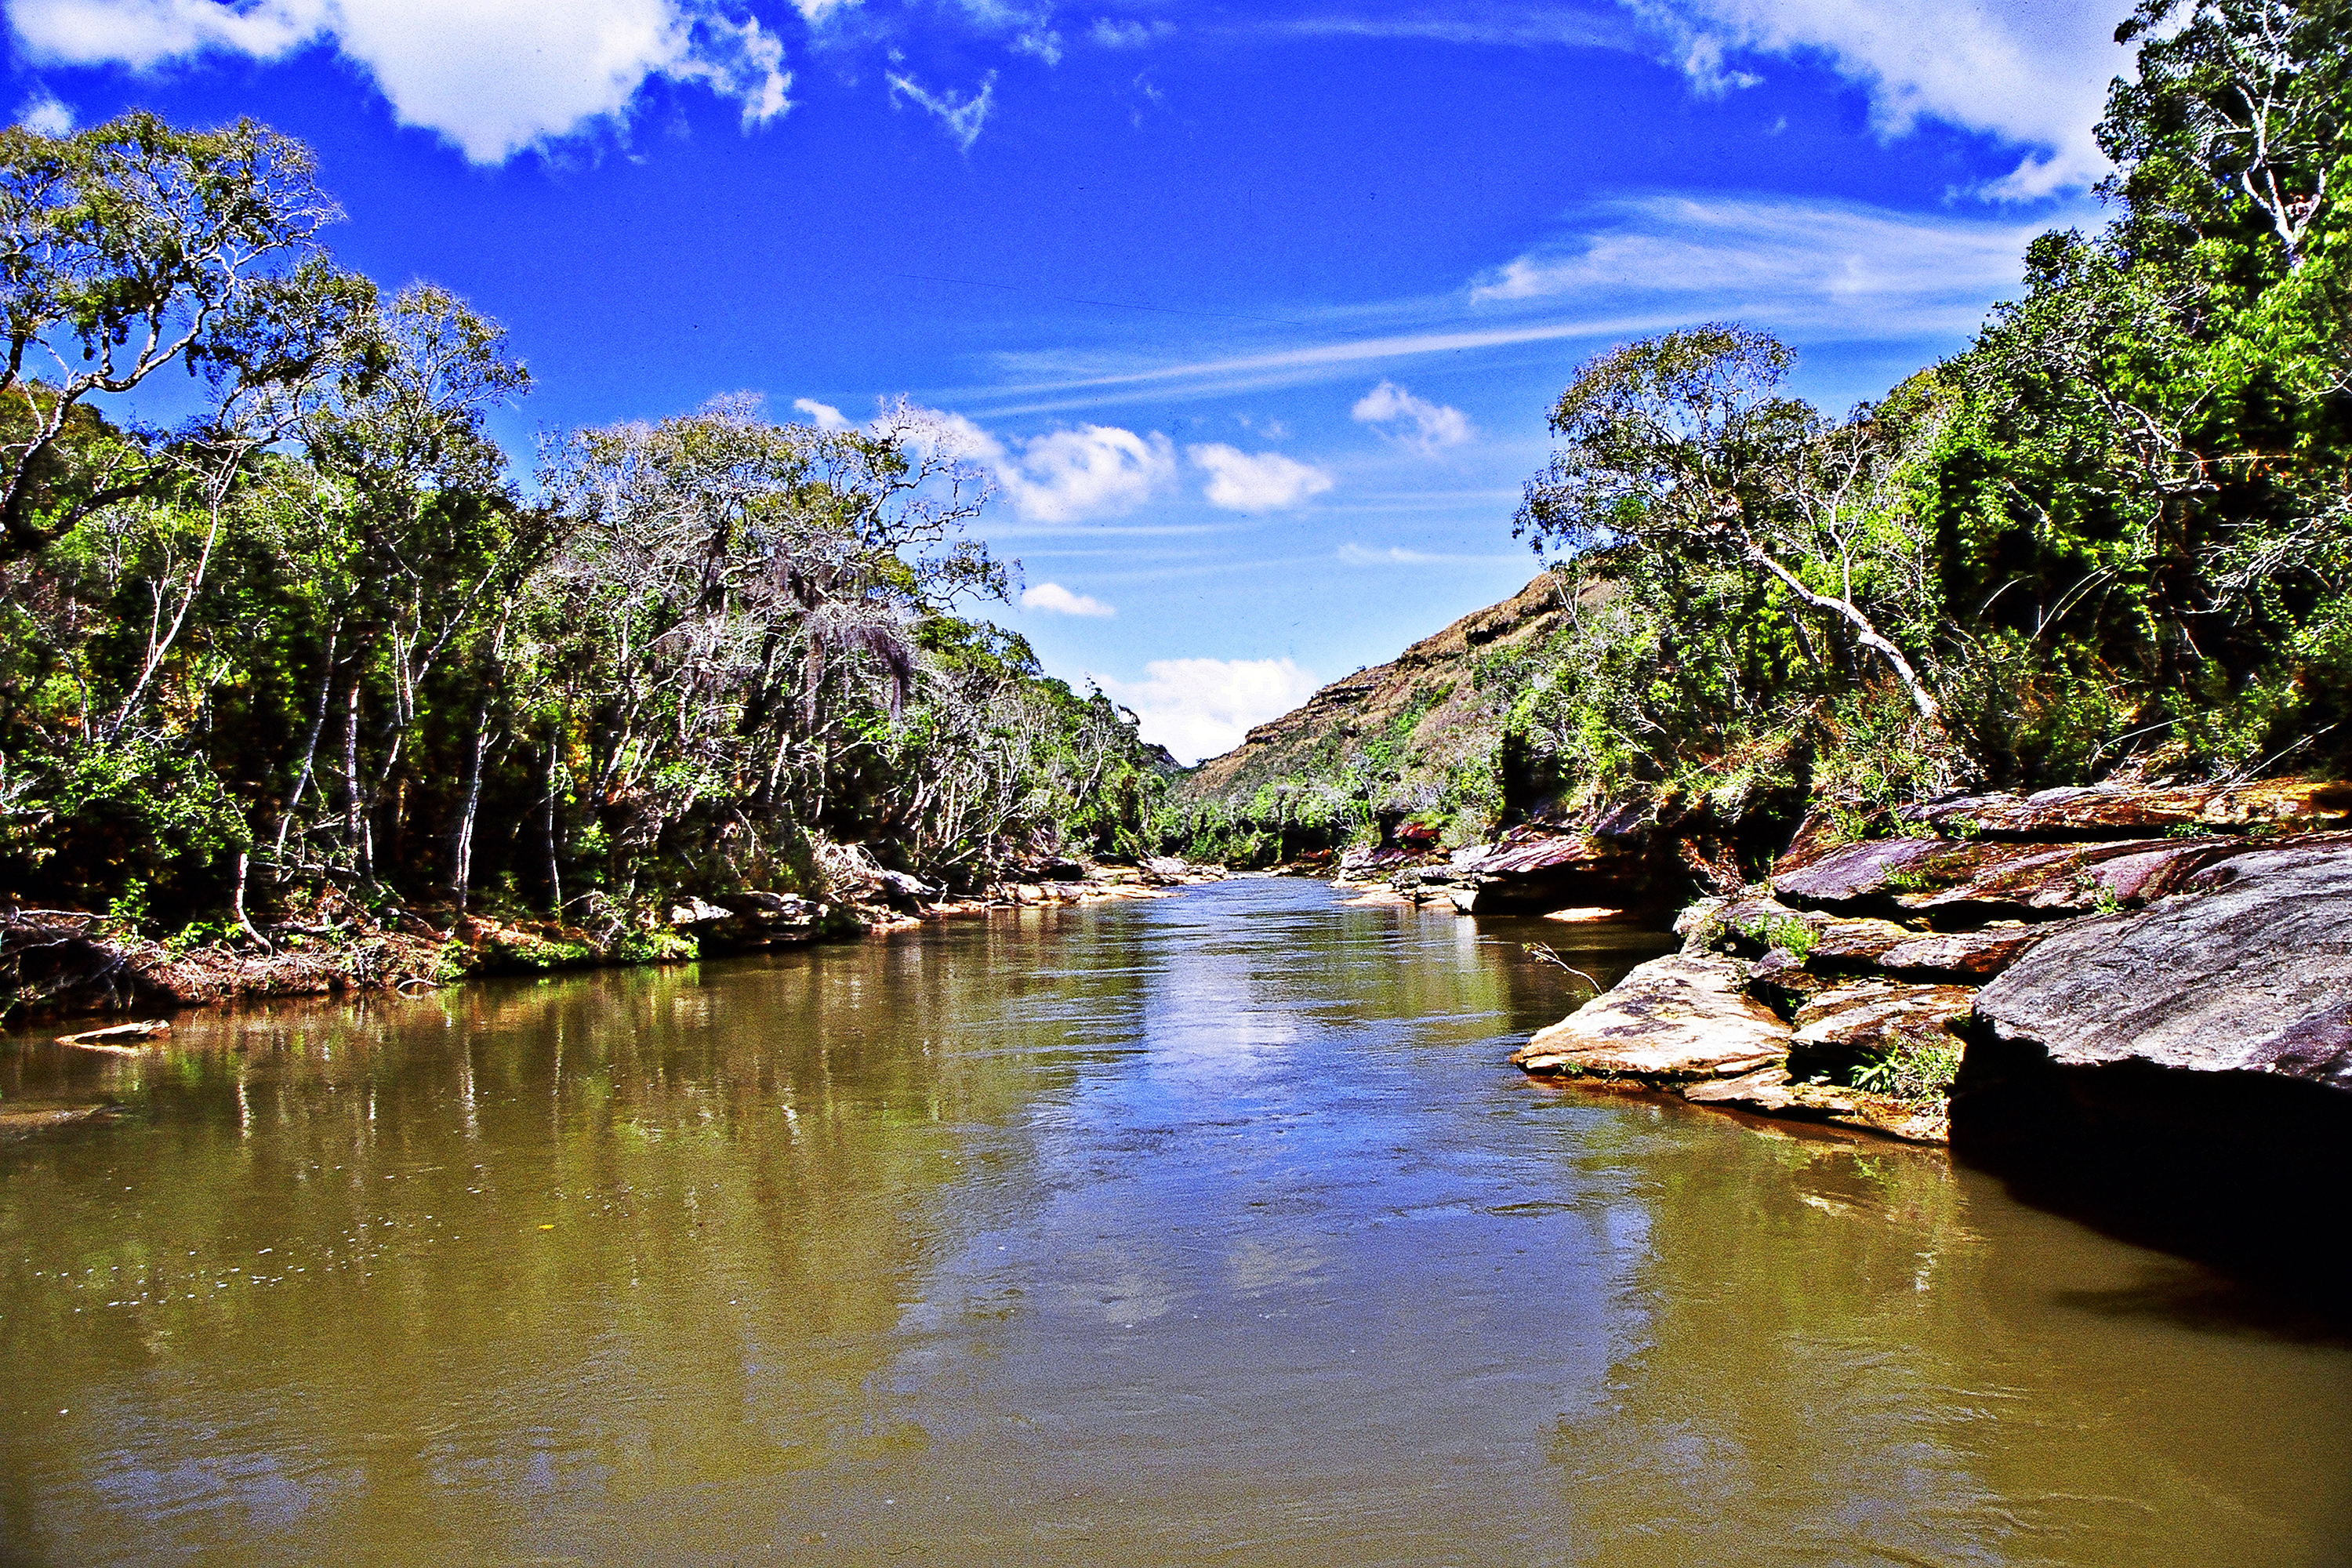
(1425, 701)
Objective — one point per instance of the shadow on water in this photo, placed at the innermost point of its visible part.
(2247, 1173)
(2194, 1297)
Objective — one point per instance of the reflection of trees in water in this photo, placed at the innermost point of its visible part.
(1851, 1352)
(742, 1167)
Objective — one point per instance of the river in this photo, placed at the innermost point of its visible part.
(1209, 1230)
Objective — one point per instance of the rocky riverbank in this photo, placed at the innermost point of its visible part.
(63, 962)
(1927, 981)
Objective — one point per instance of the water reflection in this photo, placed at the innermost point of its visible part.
(1210, 1229)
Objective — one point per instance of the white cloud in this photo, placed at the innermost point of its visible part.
(1108, 33)
(1266, 483)
(1095, 470)
(44, 115)
(1795, 260)
(493, 77)
(963, 116)
(2033, 75)
(823, 416)
(1202, 707)
(1057, 600)
(1397, 555)
(1427, 428)
(1064, 476)
(815, 11)
(1043, 42)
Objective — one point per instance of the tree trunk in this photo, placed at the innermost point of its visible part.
(554, 868)
(354, 810)
(309, 755)
(461, 854)
(1864, 633)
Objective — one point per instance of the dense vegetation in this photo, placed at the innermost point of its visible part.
(2113, 538)
(314, 644)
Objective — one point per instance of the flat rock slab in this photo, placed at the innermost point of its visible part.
(2131, 812)
(1970, 954)
(1873, 1017)
(1669, 1020)
(1984, 879)
(1845, 944)
(2250, 971)
(1771, 1091)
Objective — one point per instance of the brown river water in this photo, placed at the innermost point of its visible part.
(1212, 1230)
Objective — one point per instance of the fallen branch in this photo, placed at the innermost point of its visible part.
(108, 1039)
(1545, 951)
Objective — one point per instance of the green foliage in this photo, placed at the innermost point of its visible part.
(313, 646)
(1919, 1071)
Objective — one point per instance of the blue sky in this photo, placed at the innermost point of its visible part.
(1257, 313)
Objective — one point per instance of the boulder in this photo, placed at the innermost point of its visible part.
(764, 919)
(1775, 1092)
(1747, 925)
(1669, 1020)
(1853, 873)
(2250, 971)
(1534, 874)
(1371, 864)
(905, 892)
(2180, 1076)
(1782, 980)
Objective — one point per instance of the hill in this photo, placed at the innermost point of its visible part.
(1415, 740)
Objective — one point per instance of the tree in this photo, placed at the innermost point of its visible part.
(1678, 447)
(126, 248)
(2242, 107)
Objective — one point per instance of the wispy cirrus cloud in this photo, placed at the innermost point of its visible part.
(1353, 554)
(2034, 75)
(492, 77)
(962, 116)
(1817, 271)
(1509, 26)
(1884, 271)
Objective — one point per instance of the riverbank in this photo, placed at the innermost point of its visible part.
(1880, 981)
(59, 964)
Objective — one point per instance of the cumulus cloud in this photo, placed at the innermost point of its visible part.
(1063, 476)
(1265, 483)
(2034, 75)
(1095, 470)
(45, 115)
(823, 416)
(1057, 600)
(963, 116)
(1427, 428)
(1202, 707)
(493, 77)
